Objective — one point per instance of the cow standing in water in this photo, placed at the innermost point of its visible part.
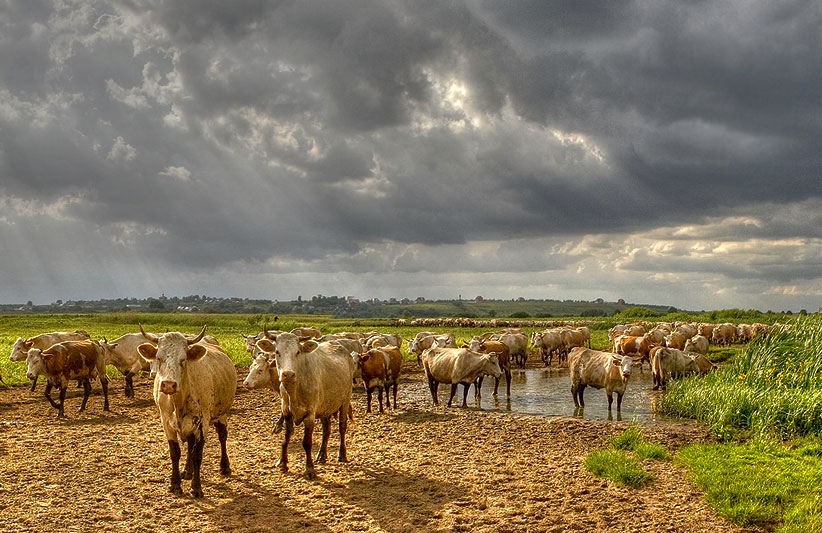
(599, 370)
(194, 386)
(315, 383)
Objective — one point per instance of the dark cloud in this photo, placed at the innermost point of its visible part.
(279, 136)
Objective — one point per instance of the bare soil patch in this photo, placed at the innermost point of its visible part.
(419, 468)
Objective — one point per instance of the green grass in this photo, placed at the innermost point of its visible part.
(761, 484)
(617, 466)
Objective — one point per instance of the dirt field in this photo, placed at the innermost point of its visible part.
(421, 468)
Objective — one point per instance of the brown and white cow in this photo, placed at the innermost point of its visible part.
(379, 369)
(315, 383)
(667, 363)
(635, 346)
(455, 366)
(21, 347)
(194, 387)
(599, 370)
(70, 360)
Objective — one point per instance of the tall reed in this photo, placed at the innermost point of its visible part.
(774, 386)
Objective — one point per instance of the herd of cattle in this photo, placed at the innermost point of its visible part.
(195, 381)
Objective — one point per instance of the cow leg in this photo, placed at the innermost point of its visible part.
(174, 451)
(610, 399)
(395, 394)
(379, 396)
(581, 390)
(434, 386)
(619, 402)
(129, 384)
(478, 388)
(465, 388)
(344, 414)
(195, 451)
(104, 383)
(322, 454)
(388, 397)
(508, 382)
(496, 387)
(48, 395)
(453, 392)
(308, 425)
(33, 384)
(289, 429)
(86, 393)
(60, 412)
(222, 434)
(368, 393)
(188, 471)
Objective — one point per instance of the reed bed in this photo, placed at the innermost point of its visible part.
(773, 387)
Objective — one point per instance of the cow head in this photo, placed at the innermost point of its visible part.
(625, 366)
(35, 363)
(19, 351)
(172, 351)
(286, 348)
(262, 373)
(490, 365)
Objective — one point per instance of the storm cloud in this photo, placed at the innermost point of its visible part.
(660, 152)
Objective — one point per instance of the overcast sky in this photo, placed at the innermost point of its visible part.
(660, 152)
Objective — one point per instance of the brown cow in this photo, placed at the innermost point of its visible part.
(21, 347)
(503, 358)
(639, 346)
(70, 360)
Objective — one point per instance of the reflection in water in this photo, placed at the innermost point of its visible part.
(547, 392)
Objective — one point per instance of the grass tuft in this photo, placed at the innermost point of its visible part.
(616, 465)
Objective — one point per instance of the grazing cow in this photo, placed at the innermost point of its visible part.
(667, 363)
(599, 370)
(688, 330)
(455, 366)
(21, 347)
(676, 340)
(723, 334)
(194, 386)
(70, 360)
(635, 330)
(383, 339)
(706, 330)
(639, 346)
(697, 344)
(313, 333)
(424, 342)
(503, 358)
(657, 335)
(315, 382)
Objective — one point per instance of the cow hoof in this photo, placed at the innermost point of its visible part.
(321, 460)
(175, 489)
(225, 471)
(342, 459)
(186, 475)
(310, 475)
(283, 467)
(197, 493)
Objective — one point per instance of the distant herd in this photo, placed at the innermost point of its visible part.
(195, 381)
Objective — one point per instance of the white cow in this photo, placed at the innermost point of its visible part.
(194, 386)
(455, 366)
(315, 383)
(599, 370)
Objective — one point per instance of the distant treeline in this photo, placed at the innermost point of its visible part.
(340, 307)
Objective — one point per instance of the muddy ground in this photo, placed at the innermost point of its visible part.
(419, 468)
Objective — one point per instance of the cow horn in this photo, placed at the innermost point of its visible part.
(152, 338)
(199, 337)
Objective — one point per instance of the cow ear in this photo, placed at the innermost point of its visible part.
(196, 352)
(266, 345)
(365, 357)
(147, 351)
(308, 346)
(28, 343)
(616, 361)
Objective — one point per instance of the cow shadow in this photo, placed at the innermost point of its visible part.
(257, 508)
(410, 415)
(395, 499)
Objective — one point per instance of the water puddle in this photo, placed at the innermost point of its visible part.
(547, 392)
